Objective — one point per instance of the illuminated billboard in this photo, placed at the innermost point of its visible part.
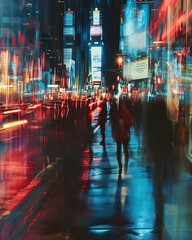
(68, 26)
(96, 53)
(136, 18)
(96, 31)
(136, 70)
(96, 17)
(135, 32)
(69, 31)
(69, 18)
(137, 41)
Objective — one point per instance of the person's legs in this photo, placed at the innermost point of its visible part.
(119, 155)
(102, 128)
(126, 151)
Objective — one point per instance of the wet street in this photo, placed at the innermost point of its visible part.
(91, 201)
(95, 120)
(25, 151)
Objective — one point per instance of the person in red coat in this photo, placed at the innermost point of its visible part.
(121, 120)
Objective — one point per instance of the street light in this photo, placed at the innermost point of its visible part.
(120, 61)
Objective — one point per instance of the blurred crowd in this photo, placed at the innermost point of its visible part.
(156, 134)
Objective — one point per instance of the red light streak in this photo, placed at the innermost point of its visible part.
(12, 111)
(170, 11)
(14, 124)
(34, 106)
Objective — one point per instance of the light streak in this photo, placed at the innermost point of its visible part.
(34, 106)
(177, 19)
(12, 111)
(14, 124)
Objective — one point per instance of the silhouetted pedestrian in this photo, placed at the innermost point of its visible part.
(160, 140)
(102, 120)
(88, 130)
(137, 118)
(121, 120)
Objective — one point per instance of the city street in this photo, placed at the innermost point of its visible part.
(92, 201)
(31, 157)
(95, 120)
(25, 152)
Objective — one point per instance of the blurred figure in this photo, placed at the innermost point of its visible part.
(102, 120)
(88, 131)
(160, 141)
(121, 120)
(137, 118)
(159, 128)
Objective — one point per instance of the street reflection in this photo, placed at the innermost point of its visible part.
(119, 219)
(25, 150)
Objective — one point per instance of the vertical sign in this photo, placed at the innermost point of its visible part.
(96, 17)
(96, 64)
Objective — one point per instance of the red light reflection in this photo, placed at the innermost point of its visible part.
(170, 11)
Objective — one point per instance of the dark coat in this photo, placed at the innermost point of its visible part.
(103, 114)
(121, 122)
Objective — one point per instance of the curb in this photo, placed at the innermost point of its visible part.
(17, 214)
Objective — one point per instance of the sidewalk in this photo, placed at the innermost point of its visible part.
(87, 203)
(129, 206)
(24, 182)
(100, 204)
(20, 209)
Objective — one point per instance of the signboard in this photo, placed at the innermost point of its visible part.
(137, 41)
(136, 70)
(136, 18)
(96, 17)
(68, 26)
(96, 31)
(69, 31)
(96, 63)
(97, 83)
(69, 18)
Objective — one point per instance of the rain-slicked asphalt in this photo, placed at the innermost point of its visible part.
(91, 201)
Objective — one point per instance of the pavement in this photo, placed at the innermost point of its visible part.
(100, 204)
(99, 177)
(25, 178)
(125, 206)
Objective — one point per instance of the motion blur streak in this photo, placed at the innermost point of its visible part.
(14, 124)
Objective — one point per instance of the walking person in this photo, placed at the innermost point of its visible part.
(88, 131)
(121, 120)
(137, 118)
(102, 120)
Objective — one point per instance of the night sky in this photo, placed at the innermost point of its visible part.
(111, 32)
